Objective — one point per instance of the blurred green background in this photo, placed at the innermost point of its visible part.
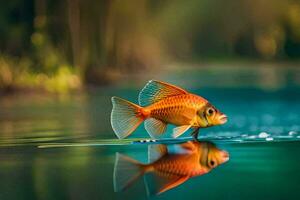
(62, 60)
(60, 46)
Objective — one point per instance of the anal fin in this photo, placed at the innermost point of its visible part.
(156, 151)
(155, 127)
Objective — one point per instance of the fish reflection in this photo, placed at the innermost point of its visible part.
(169, 165)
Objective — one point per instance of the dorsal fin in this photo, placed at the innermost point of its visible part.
(156, 151)
(155, 91)
(157, 183)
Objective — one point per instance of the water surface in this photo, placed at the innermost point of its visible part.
(261, 136)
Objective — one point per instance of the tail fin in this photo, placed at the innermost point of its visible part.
(126, 172)
(125, 117)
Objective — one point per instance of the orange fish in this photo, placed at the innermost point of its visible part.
(162, 104)
(169, 166)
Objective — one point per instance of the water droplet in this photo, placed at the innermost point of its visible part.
(269, 139)
(263, 135)
(292, 133)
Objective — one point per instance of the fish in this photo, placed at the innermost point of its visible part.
(169, 165)
(161, 104)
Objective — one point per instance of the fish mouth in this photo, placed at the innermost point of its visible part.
(223, 119)
(225, 156)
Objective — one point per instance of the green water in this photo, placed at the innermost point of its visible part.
(257, 169)
(254, 171)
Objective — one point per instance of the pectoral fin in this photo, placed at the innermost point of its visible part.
(178, 131)
(190, 146)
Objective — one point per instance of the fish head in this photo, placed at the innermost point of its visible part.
(216, 157)
(212, 156)
(211, 116)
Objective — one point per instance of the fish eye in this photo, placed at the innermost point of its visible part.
(212, 163)
(210, 111)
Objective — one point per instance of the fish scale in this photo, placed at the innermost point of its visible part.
(172, 108)
(174, 168)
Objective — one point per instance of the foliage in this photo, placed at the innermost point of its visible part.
(91, 39)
